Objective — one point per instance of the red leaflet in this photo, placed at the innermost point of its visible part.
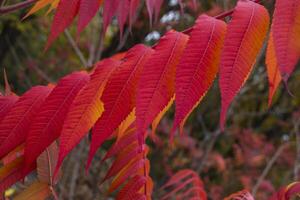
(126, 173)
(179, 183)
(157, 6)
(129, 191)
(244, 39)
(198, 67)
(87, 10)
(6, 103)
(109, 10)
(241, 195)
(123, 159)
(156, 86)
(15, 126)
(85, 109)
(153, 7)
(286, 35)
(119, 96)
(47, 127)
(122, 14)
(272, 69)
(126, 140)
(64, 15)
(157, 119)
(150, 7)
(134, 4)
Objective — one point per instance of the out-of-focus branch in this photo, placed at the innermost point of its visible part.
(268, 167)
(297, 160)
(76, 48)
(15, 7)
(209, 148)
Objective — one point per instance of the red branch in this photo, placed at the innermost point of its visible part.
(15, 7)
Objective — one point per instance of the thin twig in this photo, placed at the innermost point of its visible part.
(209, 148)
(76, 48)
(15, 7)
(268, 167)
(297, 160)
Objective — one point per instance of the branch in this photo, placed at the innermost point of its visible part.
(209, 148)
(297, 160)
(268, 167)
(15, 7)
(76, 48)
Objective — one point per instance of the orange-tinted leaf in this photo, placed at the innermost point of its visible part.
(85, 109)
(36, 191)
(47, 127)
(119, 95)
(14, 154)
(11, 173)
(160, 116)
(126, 173)
(15, 125)
(272, 69)
(156, 86)
(286, 35)
(244, 39)
(38, 6)
(198, 67)
(129, 191)
(129, 121)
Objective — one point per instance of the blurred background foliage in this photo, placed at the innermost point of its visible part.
(260, 149)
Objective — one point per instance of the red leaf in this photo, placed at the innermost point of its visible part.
(126, 140)
(157, 6)
(150, 7)
(241, 195)
(272, 69)
(286, 35)
(179, 183)
(123, 159)
(119, 96)
(122, 14)
(87, 10)
(198, 67)
(126, 173)
(134, 4)
(6, 103)
(244, 39)
(129, 191)
(64, 15)
(156, 86)
(47, 127)
(85, 109)
(153, 7)
(15, 126)
(109, 11)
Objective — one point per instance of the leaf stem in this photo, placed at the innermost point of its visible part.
(15, 7)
